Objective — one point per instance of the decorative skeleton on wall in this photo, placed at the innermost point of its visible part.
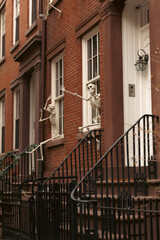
(50, 108)
(94, 100)
(52, 117)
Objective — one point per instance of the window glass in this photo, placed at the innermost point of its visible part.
(91, 75)
(16, 118)
(57, 93)
(2, 125)
(2, 34)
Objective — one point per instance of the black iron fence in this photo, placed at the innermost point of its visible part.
(108, 206)
(54, 206)
(90, 196)
(17, 170)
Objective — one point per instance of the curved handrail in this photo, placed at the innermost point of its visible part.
(8, 154)
(73, 197)
(16, 157)
(80, 142)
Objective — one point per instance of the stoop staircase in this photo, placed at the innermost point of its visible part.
(89, 196)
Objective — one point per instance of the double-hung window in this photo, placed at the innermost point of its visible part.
(2, 125)
(16, 119)
(32, 11)
(91, 74)
(57, 93)
(16, 21)
(2, 33)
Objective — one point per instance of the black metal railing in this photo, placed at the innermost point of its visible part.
(107, 207)
(16, 170)
(53, 203)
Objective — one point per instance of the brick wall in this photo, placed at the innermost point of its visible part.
(74, 13)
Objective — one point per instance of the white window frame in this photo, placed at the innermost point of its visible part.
(87, 109)
(16, 11)
(30, 12)
(16, 115)
(2, 31)
(56, 99)
(32, 110)
(2, 123)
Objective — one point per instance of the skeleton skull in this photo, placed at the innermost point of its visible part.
(91, 88)
(51, 107)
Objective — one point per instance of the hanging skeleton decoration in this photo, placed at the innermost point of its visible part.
(52, 117)
(94, 100)
(50, 108)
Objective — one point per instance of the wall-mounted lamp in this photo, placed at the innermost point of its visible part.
(142, 62)
(44, 16)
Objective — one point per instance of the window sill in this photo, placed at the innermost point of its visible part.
(55, 142)
(84, 132)
(31, 28)
(2, 60)
(14, 47)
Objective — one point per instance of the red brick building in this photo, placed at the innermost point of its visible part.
(120, 28)
(52, 55)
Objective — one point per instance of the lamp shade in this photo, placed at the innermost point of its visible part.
(142, 62)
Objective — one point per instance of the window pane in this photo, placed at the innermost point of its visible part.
(61, 117)
(56, 70)
(17, 29)
(61, 83)
(94, 67)
(95, 45)
(60, 67)
(57, 88)
(98, 86)
(3, 139)
(3, 113)
(17, 134)
(34, 10)
(89, 69)
(17, 105)
(89, 49)
(3, 45)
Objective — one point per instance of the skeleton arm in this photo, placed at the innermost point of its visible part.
(74, 94)
(45, 108)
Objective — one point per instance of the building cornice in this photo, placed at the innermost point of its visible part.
(2, 92)
(112, 8)
(32, 42)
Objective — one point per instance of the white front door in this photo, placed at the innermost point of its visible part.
(136, 84)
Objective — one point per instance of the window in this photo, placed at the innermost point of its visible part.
(91, 74)
(144, 14)
(2, 125)
(2, 33)
(16, 119)
(16, 21)
(32, 11)
(57, 93)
